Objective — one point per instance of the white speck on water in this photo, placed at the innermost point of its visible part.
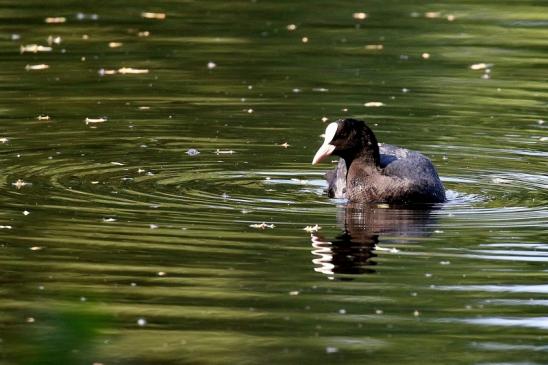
(325, 119)
(161, 273)
(416, 313)
(445, 262)
(498, 180)
(414, 294)
(359, 16)
(428, 275)
(211, 65)
(405, 90)
(543, 139)
(540, 122)
(373, 104)
(108, 220)
(379, 311)
(342, 311)
(296, 90)
(83, 299)
(192, 152)
(480, 66)
(291, 27)
(133, 284)
(26, 212)
(425, 56)
(142, 322)
(331, 350)
(5, 227)
(250, 110)
(438, 231)
(41, 287)
(153, 226)
(294, 292)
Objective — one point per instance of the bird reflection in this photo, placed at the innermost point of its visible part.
(353, 251)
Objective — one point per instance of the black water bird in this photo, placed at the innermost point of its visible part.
(371, 173)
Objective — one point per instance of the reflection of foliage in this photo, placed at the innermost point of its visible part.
(62, 337)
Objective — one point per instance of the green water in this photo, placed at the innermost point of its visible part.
(119, 247)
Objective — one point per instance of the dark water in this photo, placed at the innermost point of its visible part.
(121, 246)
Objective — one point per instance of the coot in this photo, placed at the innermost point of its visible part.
(371, 173)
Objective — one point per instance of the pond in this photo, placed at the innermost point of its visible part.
(157, 182)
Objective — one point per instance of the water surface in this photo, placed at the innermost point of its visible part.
(122, 244)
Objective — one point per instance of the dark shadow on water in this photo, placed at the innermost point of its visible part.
(353, 251)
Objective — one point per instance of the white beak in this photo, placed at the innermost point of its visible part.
(327, 148)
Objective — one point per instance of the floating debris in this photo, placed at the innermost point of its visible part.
(294, 292)
(131, 70)
(141, 322)
(359, 16)
(6, 227)
(391, 250)
(224, 152)
(144, 33)
(284, 145)
(20, 183)
(109, 220)
(153, 226)
(34, 48)
(115, 44)
(192, 152)
(304, 39)
(425, 56)
(211, 65)
(499, 180)
(117, 163)
(15, 37)
(84, 16)
(543, 139)
(144, 107)
(325, 119)
(370, 104)
(262, 225)
(26, 212)
(451, 17)
(95, 120)
(150, 15)
(43, 117)
(36, 248)
(4, 140)
(41, 66)
(376, 47)
(161, 273)
(320, 89)
(432, 14)
(312, 229)
(291, 27)
(331, 350)
(103, 72)
(416, 313)
(30, 320)
(480, 66)
(55, 20)
(383, 206)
